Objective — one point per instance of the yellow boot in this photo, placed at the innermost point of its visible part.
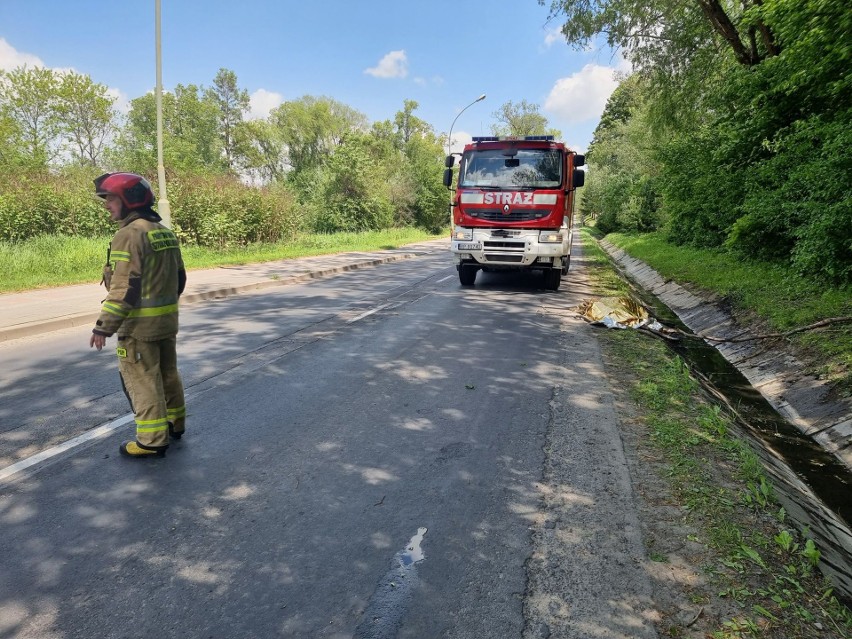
(134, 449)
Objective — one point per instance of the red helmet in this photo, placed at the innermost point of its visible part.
(134, 190)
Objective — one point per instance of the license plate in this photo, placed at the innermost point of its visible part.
(469, 246)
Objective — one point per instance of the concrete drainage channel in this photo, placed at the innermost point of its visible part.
(804, 442)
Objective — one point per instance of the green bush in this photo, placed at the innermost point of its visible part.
(702, 192)
(607, 222)
(430, 198)
(34, 203)
(220, 211)
(798, 207)
(353, 193)
(216, 211)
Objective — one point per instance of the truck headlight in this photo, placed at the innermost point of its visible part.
(550, 236)
(463, 235)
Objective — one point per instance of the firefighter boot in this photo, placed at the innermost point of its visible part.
(174, 434)
(137, 451)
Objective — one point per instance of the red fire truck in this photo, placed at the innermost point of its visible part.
(513, 206)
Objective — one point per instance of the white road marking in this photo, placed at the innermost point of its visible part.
(367, 313)
(95, 433)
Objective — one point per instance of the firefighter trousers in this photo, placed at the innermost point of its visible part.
(151, 380)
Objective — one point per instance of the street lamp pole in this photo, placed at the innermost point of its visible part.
(163, 202)
(450, 137)
(450, 148)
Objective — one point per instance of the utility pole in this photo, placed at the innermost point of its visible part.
(162, 201)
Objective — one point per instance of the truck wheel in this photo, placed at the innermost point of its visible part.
(566, 264)
(467, 274)
(552, 279)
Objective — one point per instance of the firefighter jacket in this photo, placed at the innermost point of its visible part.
(147, 279)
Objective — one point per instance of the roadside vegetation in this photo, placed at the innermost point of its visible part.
(732, 131)
(51, 260)
(750, 573)
(722, 158)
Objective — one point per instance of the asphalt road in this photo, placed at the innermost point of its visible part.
(380, 453)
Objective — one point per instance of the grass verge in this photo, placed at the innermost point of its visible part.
(763, 294)
(48, 261)
(727, 553)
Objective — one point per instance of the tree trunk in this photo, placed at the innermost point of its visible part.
(767, 36)
(723, 25)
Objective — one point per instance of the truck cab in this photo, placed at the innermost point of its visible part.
(513, 206)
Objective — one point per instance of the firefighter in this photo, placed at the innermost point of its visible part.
(144, 277)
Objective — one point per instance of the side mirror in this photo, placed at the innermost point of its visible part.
(579, 178)
(448, 178)
(450, 161)
(579, 160)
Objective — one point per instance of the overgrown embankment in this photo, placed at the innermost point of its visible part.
(765, 296)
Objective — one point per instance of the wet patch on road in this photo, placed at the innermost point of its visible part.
(387, 606)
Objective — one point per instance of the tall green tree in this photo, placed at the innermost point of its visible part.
(28, 103)
(622, 190)
(260, 151)
(191, 139)
(88, 116)
(523, 118)
(10, 151)
(748, 104)
(412, 157)
(667, 34)
(409, 126)
(311, 127)
(233, 103)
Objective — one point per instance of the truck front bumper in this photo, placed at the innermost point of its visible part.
(510, 248)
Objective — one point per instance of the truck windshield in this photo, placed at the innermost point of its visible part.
(532, 168)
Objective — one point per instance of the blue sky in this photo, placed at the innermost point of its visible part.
(371, 55)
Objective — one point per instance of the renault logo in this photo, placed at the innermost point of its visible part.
(505, 209)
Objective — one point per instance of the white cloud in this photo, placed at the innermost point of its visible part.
(393, 65)
(122, 102)
(435, 80)
(261, 102)
(10, 58)
(554, 35)
(460, 138)
(582, 96)
(579, 148)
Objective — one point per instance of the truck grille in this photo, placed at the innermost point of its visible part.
(503, 250)
(514, 215)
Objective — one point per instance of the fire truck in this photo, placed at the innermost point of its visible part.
(513, 206)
